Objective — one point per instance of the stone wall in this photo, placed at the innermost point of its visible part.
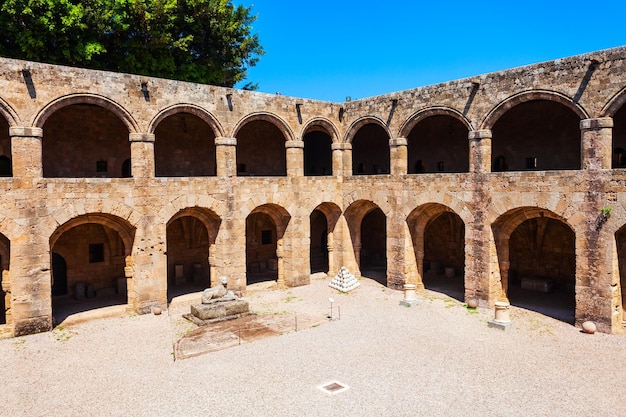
(187, 144)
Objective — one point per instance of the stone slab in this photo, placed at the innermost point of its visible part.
(409, 303)
(219, 309)
(500, 324)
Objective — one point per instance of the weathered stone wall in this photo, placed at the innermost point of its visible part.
(242, 127)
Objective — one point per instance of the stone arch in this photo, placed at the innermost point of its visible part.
(101, 101)
(318, 136)
(536, 256)
(323, 220)
(118, 224)
(191, 234)
(261, 145)
(615, 103)
(324, 125)
(185, 142)
(536, 131)
(96, 252)
(265, 234)
(85, 136)
(616, 109)
(438, 238)
(274, 119)
(371, 154)
(437, 141)
(420, 115)
(197, 111)
(371, 242)
(524, 96)
(9, 114)
(362, 121)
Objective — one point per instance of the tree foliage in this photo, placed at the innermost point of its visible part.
(206, 41)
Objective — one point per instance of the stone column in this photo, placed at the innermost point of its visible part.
(142, 155)
(419, 260)
(480, 151)
(330, 244)
(6, 288)
(295, 158)
(280, 254)
(596, 143)
(26, 152)
(226, 157)
(398, 156)
(337, 149)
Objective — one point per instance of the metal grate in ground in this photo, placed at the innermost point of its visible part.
(333, 387)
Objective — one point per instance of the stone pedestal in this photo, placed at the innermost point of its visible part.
(220, 310)
(409, 296)
(502, 320)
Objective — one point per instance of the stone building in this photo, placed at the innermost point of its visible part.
(132, 190)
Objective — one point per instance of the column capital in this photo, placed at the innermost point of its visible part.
(141, 137)
(222, 141)
(294, 144)
(340, 146)
(599, 123)
(479, 134)
(19, 131)
(398, 142)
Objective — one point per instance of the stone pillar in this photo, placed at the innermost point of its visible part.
(214, 270)
(31, 286)
(398, 156)
(295, 158)
(26, 152)
(419, 260)
(596, 143)
(148, 286)
(6, 288)
(280, 254)
(337, 149)
(342, 159)
(226, 157)
(142, 155)
(480, 151)
(333, 269)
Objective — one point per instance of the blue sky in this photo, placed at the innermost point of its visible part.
(328, 50)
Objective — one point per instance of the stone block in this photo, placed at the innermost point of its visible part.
(219, 310)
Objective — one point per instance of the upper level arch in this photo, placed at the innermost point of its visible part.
(494, 115)
(193, 109)
(271, 118)
(261, 145)
(614, 104)
(318, 136)
(9, 114)
(321, 124)
(536, 131)
(437, 141)
(361, 122)
(184, 143)
(369, 137)
(420, 115)
(97, 100)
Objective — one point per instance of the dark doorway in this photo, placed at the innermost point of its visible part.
(319, 242)
(59, 275)
(374, 246)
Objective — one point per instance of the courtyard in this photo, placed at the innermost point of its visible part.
(435, 359)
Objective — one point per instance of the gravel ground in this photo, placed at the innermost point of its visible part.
(435, 359)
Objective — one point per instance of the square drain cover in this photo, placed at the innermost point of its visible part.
(333, 387)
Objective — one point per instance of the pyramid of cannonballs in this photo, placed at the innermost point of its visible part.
(344, 281)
